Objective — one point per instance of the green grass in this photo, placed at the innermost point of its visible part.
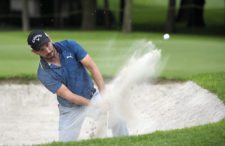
(187, 55)
(208, 135)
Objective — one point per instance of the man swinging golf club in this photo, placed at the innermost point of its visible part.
(62, 70)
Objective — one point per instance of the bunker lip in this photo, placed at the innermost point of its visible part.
(29, 113)
(18, 80)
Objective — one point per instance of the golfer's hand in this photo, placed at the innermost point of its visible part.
(105, 106)
(102, 105)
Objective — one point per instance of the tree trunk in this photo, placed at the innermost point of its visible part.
(57, 13)
(196, 17)
(4, 11)
(25, 16)
(182, 15)
(170, 22)
(88, 14)
(127, 21)
(122, 7)
(191, 12)
(106, 13)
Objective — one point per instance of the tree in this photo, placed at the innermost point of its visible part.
(4, 11)
(58, 20)
(88, 14)
(106, 13)
(121, 12)
(127, 21)
(196, 15)
(71, 8)
(170, 22)
(191, 12)
(25, 16)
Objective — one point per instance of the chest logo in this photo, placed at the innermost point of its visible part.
(70, 56)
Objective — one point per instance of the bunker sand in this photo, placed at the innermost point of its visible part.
(29, 113)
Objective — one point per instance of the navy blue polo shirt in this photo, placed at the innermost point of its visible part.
(71, 73)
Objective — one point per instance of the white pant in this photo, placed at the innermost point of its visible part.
(71, 120)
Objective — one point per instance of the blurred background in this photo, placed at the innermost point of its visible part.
(176, 16)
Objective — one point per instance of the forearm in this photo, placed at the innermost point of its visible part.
(95, 72)
(97, 77)
(79, 100)
(64, 92)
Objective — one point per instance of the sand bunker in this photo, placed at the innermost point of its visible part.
(29, 113)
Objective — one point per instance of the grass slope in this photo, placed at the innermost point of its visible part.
(214, 82)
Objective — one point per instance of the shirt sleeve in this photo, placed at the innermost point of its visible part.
(47, 80)
(78, 51)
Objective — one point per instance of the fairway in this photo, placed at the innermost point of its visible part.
(186, 55)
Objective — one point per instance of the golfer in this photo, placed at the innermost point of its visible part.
(62, 70)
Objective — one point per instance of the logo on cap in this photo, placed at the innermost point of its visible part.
(36, 38)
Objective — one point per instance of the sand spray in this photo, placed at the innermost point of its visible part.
(142, 67)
